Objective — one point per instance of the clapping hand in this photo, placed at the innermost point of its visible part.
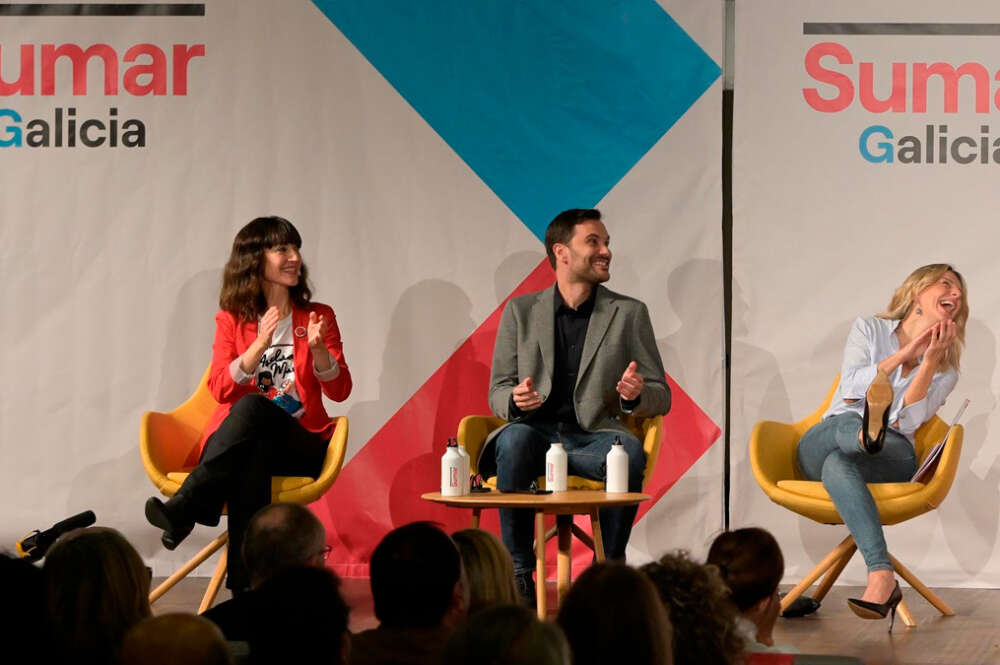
(630, 386)
(316, 331)
(268, 324)
(525, 397)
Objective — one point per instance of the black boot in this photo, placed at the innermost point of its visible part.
(171, 517)
(526, 589)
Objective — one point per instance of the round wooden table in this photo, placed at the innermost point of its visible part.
(572, 502)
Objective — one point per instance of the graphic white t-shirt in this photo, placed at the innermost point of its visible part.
(275, 374)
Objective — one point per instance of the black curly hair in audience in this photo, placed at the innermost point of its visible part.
(697, 601)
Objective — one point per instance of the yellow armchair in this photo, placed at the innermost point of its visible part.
(167, 439)
(773, 461)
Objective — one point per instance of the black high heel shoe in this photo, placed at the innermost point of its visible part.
(878, 399)
(869, 610)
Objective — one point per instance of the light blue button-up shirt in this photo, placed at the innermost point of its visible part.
(871, 341)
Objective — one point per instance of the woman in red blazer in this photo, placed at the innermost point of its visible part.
(275, 355)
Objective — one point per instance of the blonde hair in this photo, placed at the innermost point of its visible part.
(906, 295)
(489, 569)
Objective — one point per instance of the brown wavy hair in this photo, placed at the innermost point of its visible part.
(750, 562)
(906, 295)
(96, 588)
(241, 292)
(697, 601)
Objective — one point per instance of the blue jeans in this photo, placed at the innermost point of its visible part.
(830, 452)
(521, 449)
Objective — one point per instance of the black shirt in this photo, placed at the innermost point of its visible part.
(570, 333)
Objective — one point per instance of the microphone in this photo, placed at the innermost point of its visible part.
(34, 546)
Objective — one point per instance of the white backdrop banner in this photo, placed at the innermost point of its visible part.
(420, 149)
(866, 143)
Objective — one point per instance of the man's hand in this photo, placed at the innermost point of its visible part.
(525, 397)
(630, 386)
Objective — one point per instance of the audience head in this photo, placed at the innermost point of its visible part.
(506, 635)
(175, 638)
(612, 614)
(282, 535)
(416, 577)
(488, 569)
(697, 601)
(22, 610)
(750, 563)
(297, 614)
(96, 588)
(560, 230)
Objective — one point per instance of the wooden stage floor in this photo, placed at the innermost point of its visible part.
(971, 637)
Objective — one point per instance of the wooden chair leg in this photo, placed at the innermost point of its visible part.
(831, 559)
(213, 585)
(598, 542)
(583, 536)
(186, 569)
(905, 615)
(564, 561)
(921, 588)
(476, 512)
(551, 533)
(540, 565)
(834, 572)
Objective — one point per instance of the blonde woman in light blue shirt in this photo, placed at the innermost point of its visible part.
(898, 369)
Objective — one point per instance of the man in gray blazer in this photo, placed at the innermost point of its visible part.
(568, 363)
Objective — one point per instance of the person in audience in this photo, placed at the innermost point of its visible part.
(899, 368)
(488, 568)
(22, 610)
(276, 355)
(506, 635)
(175, 639)
(299, 614)
(420, 595)
(279, 535)
(703, 618)
(750, 564)
(613, 615)
(96, 588)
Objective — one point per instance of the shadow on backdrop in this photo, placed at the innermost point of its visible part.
(762, 395)
(969, 518)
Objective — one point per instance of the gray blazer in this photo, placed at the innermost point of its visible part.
(618, 333)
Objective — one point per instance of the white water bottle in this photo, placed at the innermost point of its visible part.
(555, 468)
(451, 471)
(466, 477)
(617, 468)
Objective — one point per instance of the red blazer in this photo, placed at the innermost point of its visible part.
(233, 337)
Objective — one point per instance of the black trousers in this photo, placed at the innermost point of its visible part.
(257, 440)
